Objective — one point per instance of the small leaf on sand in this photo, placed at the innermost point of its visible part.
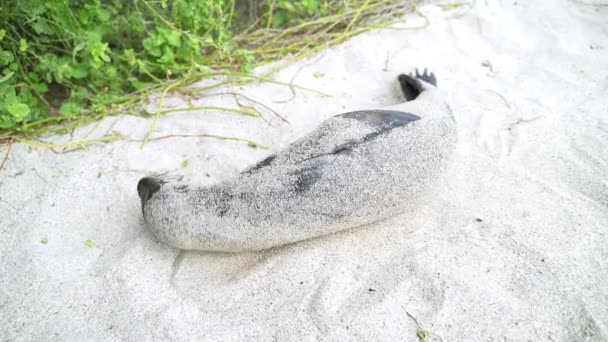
(185, 163)
(90, 243)
(44, 241)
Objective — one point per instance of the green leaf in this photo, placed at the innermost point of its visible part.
(137, 84)
(6, 122)
(25, 94)
(98, 51)
(45, 66)
(90, 243)
(152, 45)
(2, 33)
(129, 54)
(6, 57)
(70, 107)
(7, 76)
(9, 95)
(79, 71)
(39, 8)
(99, 108)
(41, 87)
(103, 14)
(18, 110)
(173, 37)
(84, 16)
(77, 48)
(79, 94)
(167, 56)
(62, 70)
(41, 26)
(23, 45)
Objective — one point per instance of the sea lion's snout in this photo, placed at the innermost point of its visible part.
(146, 187)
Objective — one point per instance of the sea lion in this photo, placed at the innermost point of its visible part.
(354, 169)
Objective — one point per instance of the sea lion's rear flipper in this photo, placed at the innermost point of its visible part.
(411, 85)
(426, 76)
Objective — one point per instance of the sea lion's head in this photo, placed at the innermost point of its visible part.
(168, 214)
(146, 187)
(149, 185)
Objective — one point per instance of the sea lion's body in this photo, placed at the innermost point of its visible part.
(355, 168)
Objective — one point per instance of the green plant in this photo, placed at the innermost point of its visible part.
(63, 58)
(283, 13)
(67, 63)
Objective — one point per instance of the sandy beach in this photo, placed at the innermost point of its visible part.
(511, 245)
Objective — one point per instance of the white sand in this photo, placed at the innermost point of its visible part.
(532, 165)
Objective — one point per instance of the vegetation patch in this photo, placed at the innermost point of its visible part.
(67, 63)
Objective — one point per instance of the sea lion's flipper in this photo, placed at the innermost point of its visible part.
(384, 118)
(321, 144)
(263, 163)
(380, 122)
(426, 77)
(411, 85)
